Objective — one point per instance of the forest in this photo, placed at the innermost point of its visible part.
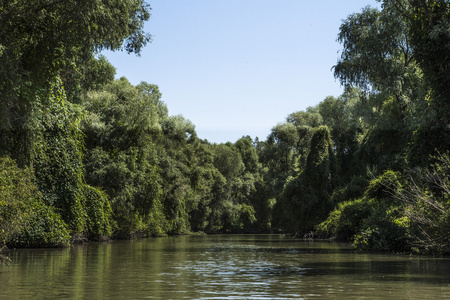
(87, 157)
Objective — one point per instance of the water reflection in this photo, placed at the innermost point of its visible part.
(220, 267)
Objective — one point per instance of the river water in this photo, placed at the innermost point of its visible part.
(221, 267)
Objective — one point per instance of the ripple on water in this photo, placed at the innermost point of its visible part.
(226, 272)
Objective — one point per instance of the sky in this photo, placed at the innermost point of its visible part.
(239, 67)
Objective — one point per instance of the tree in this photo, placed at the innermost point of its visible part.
(340, 116)
(377, 55)
(120, 129)
(305, 200)
(248, 154)
(284, 137)
(46, 36)
(43, 40)
(428, 24)
(305, 118)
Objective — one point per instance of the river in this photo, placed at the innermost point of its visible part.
(220, 267)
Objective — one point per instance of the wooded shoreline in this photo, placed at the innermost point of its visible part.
(83, 154)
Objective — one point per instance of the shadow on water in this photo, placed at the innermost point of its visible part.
(287, 250)
(264, 244)
(420, 270)
(321, 258)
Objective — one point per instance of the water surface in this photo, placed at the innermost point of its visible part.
(221, 267)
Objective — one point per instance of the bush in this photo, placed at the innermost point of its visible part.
(374, 222)
(17, 192)
(384, 230)
(44, 228)
(426, 201)
(384, 187)
(25, 221)
(345, 221)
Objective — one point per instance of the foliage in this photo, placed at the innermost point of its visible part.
(341, 117)
(25, 221)
(46, 65)
(384, 230)
(428, 24)
(57, 154)
(305, 198)
(428, 31)
(426, 201)
(345, 220)
(99, 213)
(98, 157)
(44, 41)
(44, 228)
(49, 35)
(353, 190)
(397, 56)
(377, 55)
(373, 222)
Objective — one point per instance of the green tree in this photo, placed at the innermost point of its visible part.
(43, 37)
(43, 40)
(375, 221)
(345, 127)
(305, 200)
(44, 44)
(378, 57)
(120, 129)
(428, 23)
(428, 29)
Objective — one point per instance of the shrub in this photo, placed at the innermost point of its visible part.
(25, 221)
(384, 230)
(384, 187)
(374, 222)
(345, 220)
(426, 201)
(43, 228)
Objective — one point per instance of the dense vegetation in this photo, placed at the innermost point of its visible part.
(84, 156)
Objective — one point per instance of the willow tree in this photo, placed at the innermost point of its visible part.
(40, 40)
(378, 57)
(428, 28)
(305, 199)
(41, 44)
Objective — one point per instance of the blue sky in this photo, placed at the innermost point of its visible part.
(239, 67)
